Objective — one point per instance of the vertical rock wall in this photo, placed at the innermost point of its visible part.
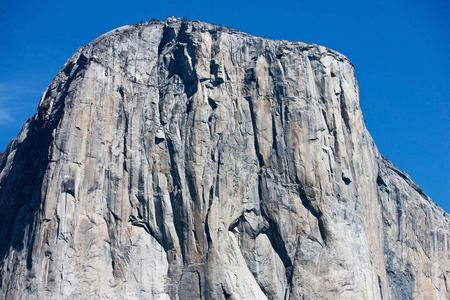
(191, 161)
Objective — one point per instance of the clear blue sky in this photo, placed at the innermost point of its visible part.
(400, 50)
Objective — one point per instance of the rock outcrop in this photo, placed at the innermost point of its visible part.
(183, 160)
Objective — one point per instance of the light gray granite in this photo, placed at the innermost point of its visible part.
(184, 160)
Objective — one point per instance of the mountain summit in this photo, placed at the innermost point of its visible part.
(184, 160)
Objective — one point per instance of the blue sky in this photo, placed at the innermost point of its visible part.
(400, 50)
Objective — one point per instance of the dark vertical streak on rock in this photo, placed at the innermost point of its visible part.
(380, 286)
(159, 216)
(210, 202)
(176, 197)
(274, 135)
(344, 108)
(196, 208)
(31, 233)
(324, 114)
(255, 137)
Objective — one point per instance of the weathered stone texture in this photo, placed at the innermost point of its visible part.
(189, 161)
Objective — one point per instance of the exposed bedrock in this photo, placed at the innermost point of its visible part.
(185, 160)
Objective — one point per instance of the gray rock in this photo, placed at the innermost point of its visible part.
(183, 160)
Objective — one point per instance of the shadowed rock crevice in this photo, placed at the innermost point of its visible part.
(255, 134)
(179, 57)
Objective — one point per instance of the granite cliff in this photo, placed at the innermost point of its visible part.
(183, 160)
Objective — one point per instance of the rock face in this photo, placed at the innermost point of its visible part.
(182, 160)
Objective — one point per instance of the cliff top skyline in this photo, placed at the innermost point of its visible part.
(399, 52)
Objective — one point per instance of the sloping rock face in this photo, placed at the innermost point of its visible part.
(189, 161)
